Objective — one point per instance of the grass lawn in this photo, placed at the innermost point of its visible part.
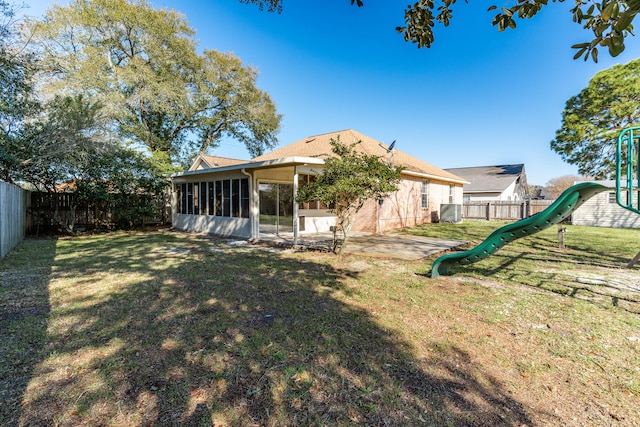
(167, 328)
(591, 266)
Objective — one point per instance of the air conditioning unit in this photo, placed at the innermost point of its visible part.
(451, 213)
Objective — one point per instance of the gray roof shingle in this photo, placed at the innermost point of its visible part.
(489, 178)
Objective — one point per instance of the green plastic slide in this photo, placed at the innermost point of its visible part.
(570, 200)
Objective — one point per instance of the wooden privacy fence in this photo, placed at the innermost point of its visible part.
(503, 210)
(96, 214)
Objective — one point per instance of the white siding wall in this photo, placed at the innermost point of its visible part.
(316, 220)
(599, 212)
(509, 194)
(222, 226)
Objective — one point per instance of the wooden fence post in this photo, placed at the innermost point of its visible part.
(561, 231)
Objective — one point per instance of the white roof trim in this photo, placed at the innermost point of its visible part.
(293, 161)
(286, 161)
(431, 176)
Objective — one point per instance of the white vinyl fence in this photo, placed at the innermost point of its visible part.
(13, 216)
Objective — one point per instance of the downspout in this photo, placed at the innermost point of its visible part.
(295, 205)
(378, 209)
(253, 210)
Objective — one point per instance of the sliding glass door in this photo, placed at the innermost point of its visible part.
(276, 208)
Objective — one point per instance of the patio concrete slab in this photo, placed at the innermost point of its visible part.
(397, 246)
(400, 246)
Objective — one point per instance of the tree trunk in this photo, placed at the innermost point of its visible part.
(347, 218)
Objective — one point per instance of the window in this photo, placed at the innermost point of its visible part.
(244, 198)
(612, 197)
(218, 198)
(190, 198)
(226, 197)
(314, 204)
(425, 193)
(624, 197)
(196, 198)
(203, 198)
(235, 198)
(180, 192)
(212, 199)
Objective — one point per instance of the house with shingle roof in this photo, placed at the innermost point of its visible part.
(240, 198)
(499, 183)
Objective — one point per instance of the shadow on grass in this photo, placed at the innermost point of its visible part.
(561, 282)
(24, 312)
(172, 330)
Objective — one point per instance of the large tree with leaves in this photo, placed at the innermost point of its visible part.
(347, 181)
(141, 64)
(592, 120)
(49, 148)
(16, 68)
(65, 150)
(51, 151)
(610, 21)
(38, 141)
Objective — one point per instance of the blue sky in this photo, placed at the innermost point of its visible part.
(478, 97)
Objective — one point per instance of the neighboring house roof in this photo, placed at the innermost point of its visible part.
(204, 161)
(489, 179)
(319, 146)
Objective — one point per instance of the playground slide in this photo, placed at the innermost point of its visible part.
(571, 199)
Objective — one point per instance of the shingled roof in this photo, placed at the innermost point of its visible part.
(206, 161)
(489, 179)
(319, 146)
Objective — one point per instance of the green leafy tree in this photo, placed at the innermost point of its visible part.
(347, 181)
(65, 150)
(141, 64)
(592, 120)
(126, 183)
(63, 144)
(16, 102)
(54, 148)
(610, 21)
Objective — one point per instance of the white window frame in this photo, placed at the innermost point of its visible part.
(424, 202)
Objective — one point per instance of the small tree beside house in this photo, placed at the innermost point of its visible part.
(347, 181)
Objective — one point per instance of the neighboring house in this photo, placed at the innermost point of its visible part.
(499, 183)
(602, 210)
(246, 198)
